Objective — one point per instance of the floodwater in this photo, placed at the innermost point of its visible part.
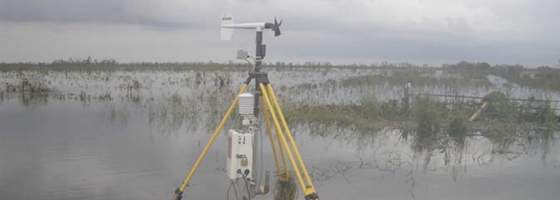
(98, 138)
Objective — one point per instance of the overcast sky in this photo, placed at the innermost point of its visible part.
(339, 31)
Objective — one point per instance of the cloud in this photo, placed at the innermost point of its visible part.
(462, 17)
(370, 30)
(145, 12)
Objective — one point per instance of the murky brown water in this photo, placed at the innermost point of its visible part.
(138, 146)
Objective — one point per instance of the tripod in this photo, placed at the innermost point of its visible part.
(270, 108)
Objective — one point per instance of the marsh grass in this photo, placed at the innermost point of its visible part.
(458, 128)
(370, 115)
(417, 77)
(427, 118)
(438, 127)
(432, 123)
(541, 78)
(549, 118)
(27, 82)
(196, 97)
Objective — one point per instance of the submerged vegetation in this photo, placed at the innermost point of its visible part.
(364, 98)
(416, 77)
(543, 77)
(370, 116)
(428, 114)
(360, 104)
(27, 82)
(440, 125)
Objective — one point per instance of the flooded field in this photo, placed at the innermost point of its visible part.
(133, 133)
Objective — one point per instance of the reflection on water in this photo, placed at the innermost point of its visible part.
(114, 138)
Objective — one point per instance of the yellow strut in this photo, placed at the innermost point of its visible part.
(287, 130)
(269, 130)
(482, 107)
(277, 125)
(178, 194)
(309, 189)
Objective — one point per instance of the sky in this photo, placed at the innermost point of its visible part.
(337, 31)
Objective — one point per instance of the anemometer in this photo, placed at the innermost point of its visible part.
(229, 25)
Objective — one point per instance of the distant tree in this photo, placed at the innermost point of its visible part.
(464, 65)
(88, 60)
(483, 66)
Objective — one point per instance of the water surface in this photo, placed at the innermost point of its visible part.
(140, 144)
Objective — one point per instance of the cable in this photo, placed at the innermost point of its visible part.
(247, 185)
(262, 157)
(260, 170)
(248, 191)
(234, 190)
(227, 194)
(256, 169)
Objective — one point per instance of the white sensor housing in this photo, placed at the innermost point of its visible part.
(240, 154)
(246, 104)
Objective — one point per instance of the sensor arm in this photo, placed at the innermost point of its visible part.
(228, 25)
(254, 25)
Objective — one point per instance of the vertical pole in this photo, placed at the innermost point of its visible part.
(258, 93)
(259, 51)
(406, 98)
(258, 59)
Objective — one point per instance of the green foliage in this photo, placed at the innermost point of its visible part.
(467, 66)
(501, 107)
(458, 126)
(370, 107)
(417, 77)
(541, 78)
(549, 119)
(369, 115)
(338, 116)
(427, 117)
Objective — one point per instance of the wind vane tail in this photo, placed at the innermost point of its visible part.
(227, 27)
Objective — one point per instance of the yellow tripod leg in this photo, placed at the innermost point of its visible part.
(269, 130)
(179, 191)
(309, 190)
(279, 131)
